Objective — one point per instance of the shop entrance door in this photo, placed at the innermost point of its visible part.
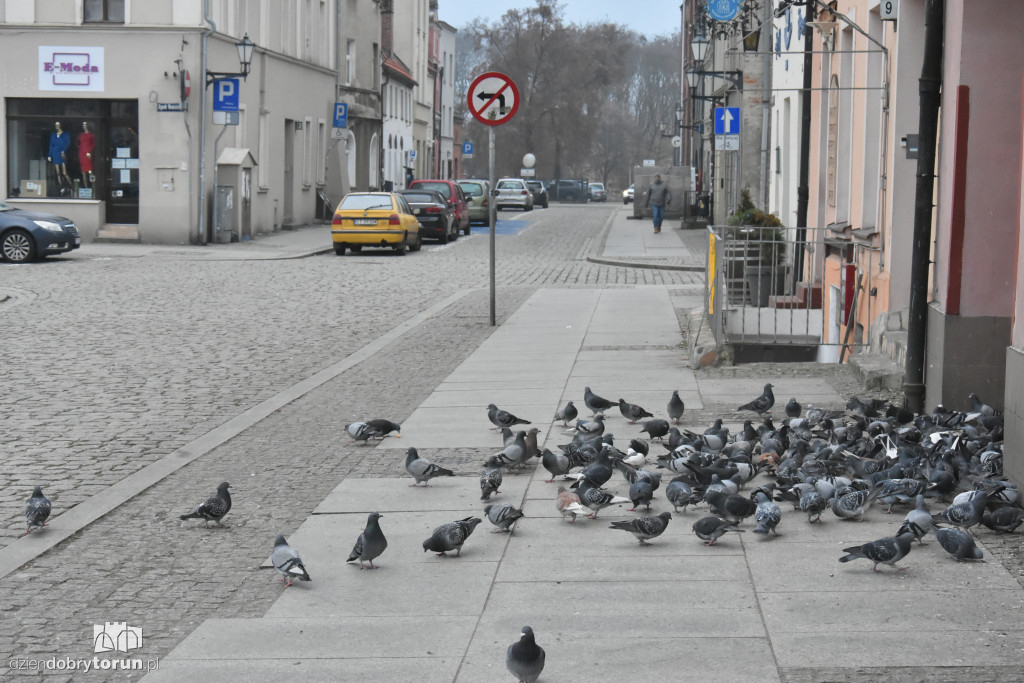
(122, 164)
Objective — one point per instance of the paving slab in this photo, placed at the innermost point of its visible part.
(462, 427)
(460, 495)
(392, 669)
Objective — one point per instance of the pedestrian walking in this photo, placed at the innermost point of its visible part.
(657, 197)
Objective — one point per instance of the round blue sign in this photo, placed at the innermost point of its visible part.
(723, 10)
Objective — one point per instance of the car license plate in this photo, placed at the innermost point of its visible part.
(364, 221)
(78, 241)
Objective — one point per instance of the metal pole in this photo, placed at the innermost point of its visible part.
(492, 207)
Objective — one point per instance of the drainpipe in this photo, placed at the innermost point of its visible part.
(212, 28)
(930, 86)
(803, 190)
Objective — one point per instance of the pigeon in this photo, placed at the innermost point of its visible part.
(959, 544)
(793, 408)
(888, 550)
(1003, 520)
(813, 504)
(640, 493)
(656, 428)
(37, 509)
(531, 443)
(978, 406)
(525, 658)
(503, 516)
(596, 404)
(680, 494)
(556, 464)
(965, 515)
(763, 403)
(422, 470)
(385, 427)
(675, 408)
(515, 453)
(360, 431)
(451, 536)
(596, 499)
(370, 544)
(490, 478)
(768, 515)
(645, 528)
(709, 529)
(730, 506)
(632, 412)
(591, 428)
(854, 503)
(215, 508)
(567, 414)
(500, 418)
(287, 562)
(568, 503)
(918, 521)
(598, 472)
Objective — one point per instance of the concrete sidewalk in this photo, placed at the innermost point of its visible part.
(603, 607)
(631, 242)
(283, 244)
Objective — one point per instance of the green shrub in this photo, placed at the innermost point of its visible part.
(764, 229)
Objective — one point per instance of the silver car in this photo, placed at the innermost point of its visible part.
(513, 192)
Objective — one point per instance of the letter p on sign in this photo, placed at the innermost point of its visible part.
(225, 95)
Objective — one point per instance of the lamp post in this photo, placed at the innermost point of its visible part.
(245, 49)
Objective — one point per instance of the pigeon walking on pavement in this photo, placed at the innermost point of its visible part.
(888, 550)
(1004, 520)
(525, 658)
(710, 529)
(645, 528)
(591, 428)
(422, 470)
(641, 492)
(566, 414)
(793, 409)
(632, 412)
(556, 464)
(568, 504)
(287, 562)
(596, 499)
(361, 432)
(515, 453)
(768, 514)
(502, 418)
(503, 516)
(959, 544)
(385, 427)
(763, 403)
(595, 403)
(451, 536)
(214, 508)
(656, 428)
(675, 407)
(490, 478)
(918, 521)
(370, 544)
(680, 494)
(967, 514)
(37, 509)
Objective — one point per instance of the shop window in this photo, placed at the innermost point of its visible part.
(104, 11)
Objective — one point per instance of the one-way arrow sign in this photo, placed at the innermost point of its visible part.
(727, 120)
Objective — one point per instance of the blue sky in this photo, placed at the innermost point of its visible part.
(650, 17)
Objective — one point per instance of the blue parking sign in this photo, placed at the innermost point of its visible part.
(341, 115)
(467, 148)
(225, 95)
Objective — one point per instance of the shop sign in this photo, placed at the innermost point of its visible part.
(71, 68)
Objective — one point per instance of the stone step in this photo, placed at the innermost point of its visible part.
(876, 371)
(118, 232)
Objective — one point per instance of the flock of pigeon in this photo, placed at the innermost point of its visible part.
(816, 460)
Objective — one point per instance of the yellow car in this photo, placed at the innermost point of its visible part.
(375, 219)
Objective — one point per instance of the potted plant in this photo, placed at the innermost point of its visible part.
(763, 233)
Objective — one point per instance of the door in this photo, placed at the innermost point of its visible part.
(122, 164)
(289, 161)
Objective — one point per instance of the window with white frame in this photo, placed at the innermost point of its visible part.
(307, 152)
(321, 152)
(263, 152)
(350, 62)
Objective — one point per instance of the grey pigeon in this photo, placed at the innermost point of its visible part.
(641, 492)
(595, 403)
(965, 515)
(422, 470)
(531, 443)
(854, 503)
(287, 562)
(596, 499)
(680, 494)
(501, 418)
(503, 516)
(676, 407)
(370, 544)
(591, 428)
(888, 550)
(793, 408)
(214, 508)
(490, 478)
(632, 412)
(567, 414)
(555, 463)
(813, 504)
(656, 428)
(710, 529)
(37, 509)
(980, 407)
(451, 536)
(515, 453)
(360, 431)
(568, 504)
(763, 403)
(1003, 520)
(959, 544)
(918, 521)
(645, 528)
(385, 427)
(525, 658)
(731, 506)
(768, 515)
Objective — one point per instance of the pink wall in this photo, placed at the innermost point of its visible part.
(987, 56)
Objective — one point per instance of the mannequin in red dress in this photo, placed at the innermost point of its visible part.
(86, 145)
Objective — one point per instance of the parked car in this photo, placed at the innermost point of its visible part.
(597, 192)
(568, 190)
(627, 195)
(26, 235)
(375, 219)
(437, 220)
(513, 192)
(478, 198)
(540, 193)
(453, 193)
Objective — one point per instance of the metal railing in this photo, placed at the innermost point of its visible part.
(789, 286)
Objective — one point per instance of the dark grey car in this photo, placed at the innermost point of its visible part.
(26, 235)
(435, 214)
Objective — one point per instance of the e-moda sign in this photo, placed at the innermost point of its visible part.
(70, 68)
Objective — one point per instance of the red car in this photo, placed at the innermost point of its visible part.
(455, 196)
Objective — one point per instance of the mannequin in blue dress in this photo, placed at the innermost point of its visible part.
(59, 144)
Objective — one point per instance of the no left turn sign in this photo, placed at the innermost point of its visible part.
(493, 98)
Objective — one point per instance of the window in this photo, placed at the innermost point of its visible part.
(308, 158)
(350, 62)
(376, 67)
(108, 11)
(321, 151)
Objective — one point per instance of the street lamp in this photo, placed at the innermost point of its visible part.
(699, 47)
(734, 77)
(245, 47)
